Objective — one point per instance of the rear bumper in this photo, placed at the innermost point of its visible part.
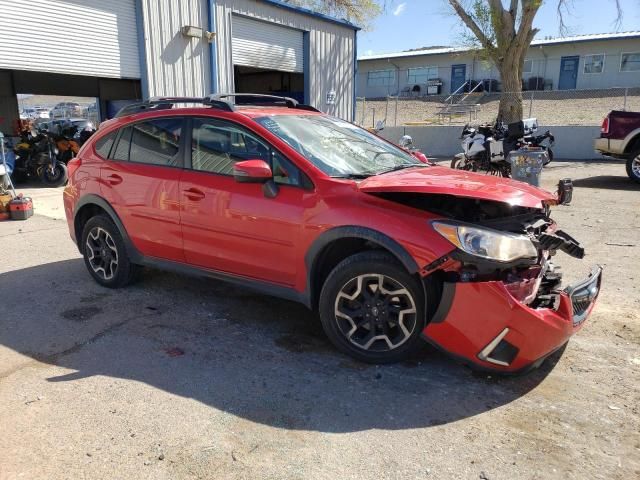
(609, 146)
(491, 330)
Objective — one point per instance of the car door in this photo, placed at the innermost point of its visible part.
(141, 182)
(233, 227)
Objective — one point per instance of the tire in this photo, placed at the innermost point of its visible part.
(633, 166)
(372, 333)
(102, 239)
(56, 179)
(550, 154)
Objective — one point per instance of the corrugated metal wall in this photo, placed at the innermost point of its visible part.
(331, 59)
(82, 37)
(176, 65)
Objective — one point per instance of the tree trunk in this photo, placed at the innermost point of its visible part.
(510, 109)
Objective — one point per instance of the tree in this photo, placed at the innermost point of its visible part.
(359, 12)
(504, 34)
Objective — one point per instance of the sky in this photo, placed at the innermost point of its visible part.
(407, 24)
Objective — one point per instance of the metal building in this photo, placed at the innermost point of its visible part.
(131, 49)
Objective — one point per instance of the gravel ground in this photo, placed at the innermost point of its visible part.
(184, 378)
(550, 108)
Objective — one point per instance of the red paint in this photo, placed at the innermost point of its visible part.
(467, 329)
(213, 221)
(447, 181)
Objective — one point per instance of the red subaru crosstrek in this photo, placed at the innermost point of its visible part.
(391, 251)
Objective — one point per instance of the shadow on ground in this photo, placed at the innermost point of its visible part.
(259, 358)
(612, 182)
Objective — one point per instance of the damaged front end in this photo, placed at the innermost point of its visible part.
(502, 305)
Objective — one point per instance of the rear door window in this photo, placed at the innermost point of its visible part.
(157, 142)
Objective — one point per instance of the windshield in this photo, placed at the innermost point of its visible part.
(338, 148)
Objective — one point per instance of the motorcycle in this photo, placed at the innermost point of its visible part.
(486, 149)
(37, 157)
(405, 143)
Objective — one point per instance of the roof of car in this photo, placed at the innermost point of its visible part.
(257, 111)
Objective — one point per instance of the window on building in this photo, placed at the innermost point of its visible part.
(218, 144)
(630, 62)
(594, 63)
(157, 142)
(421, 75)
(381, 78)
(527, 67)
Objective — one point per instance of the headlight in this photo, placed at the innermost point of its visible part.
(485, 243)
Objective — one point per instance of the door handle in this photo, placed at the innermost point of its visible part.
(193, 194)
(114, 179)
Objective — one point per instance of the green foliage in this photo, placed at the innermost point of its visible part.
(359, 12)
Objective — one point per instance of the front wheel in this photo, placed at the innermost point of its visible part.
(56, 177)
(549, 155)
(461, 164)
(633, 166)
(372, 309)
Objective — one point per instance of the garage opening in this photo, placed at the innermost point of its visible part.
(267, 58)
(272, 82)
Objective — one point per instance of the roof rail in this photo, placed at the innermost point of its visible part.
(166, 103)
(220, 101)
(260, 99)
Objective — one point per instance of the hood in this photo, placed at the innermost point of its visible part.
(446, 181)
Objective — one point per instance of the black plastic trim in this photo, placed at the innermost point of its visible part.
(364, 233)
(446, 300)
(352, 231)
(483, 368)
(92, 199)
(259, 286)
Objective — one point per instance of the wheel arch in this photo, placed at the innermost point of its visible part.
(338, 243)
(633, 144)
(91, 205)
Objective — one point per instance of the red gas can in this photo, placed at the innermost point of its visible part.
(20, 208)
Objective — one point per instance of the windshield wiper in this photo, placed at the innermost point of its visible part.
(402, 167)
(355, 176)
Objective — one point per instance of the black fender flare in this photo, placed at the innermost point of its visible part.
(93, 199)
(353, 231)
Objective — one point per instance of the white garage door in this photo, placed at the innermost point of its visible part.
(81, 37)
(266, 45)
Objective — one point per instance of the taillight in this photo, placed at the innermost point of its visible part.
(604, 129)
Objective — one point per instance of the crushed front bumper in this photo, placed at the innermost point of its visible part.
(484, 325)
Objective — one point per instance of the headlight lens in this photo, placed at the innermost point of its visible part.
(485, 243)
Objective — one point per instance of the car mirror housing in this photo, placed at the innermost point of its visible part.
(252, 171)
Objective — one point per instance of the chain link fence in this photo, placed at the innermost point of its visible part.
(555, 107)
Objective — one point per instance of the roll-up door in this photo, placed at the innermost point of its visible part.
(88, 37)
(266, 45)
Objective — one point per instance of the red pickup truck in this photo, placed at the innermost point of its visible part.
(620, 138)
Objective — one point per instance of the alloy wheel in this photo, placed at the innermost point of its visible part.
(635, 166)
(375, 312)
(102, 253)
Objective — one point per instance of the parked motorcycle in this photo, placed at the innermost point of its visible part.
(37, 157)
(486, 149)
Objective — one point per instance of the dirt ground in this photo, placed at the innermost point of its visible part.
(550, 108)
(185, 378)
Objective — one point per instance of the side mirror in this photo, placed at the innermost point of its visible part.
(252, 171)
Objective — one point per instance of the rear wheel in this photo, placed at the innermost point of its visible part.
(55, 177)
(633, 166)
(105, 254)
(372, 309)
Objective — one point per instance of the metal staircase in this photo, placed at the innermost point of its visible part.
(462, 103)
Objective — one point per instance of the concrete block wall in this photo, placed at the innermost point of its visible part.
(572, 142)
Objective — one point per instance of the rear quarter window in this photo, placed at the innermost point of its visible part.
(104, 144)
